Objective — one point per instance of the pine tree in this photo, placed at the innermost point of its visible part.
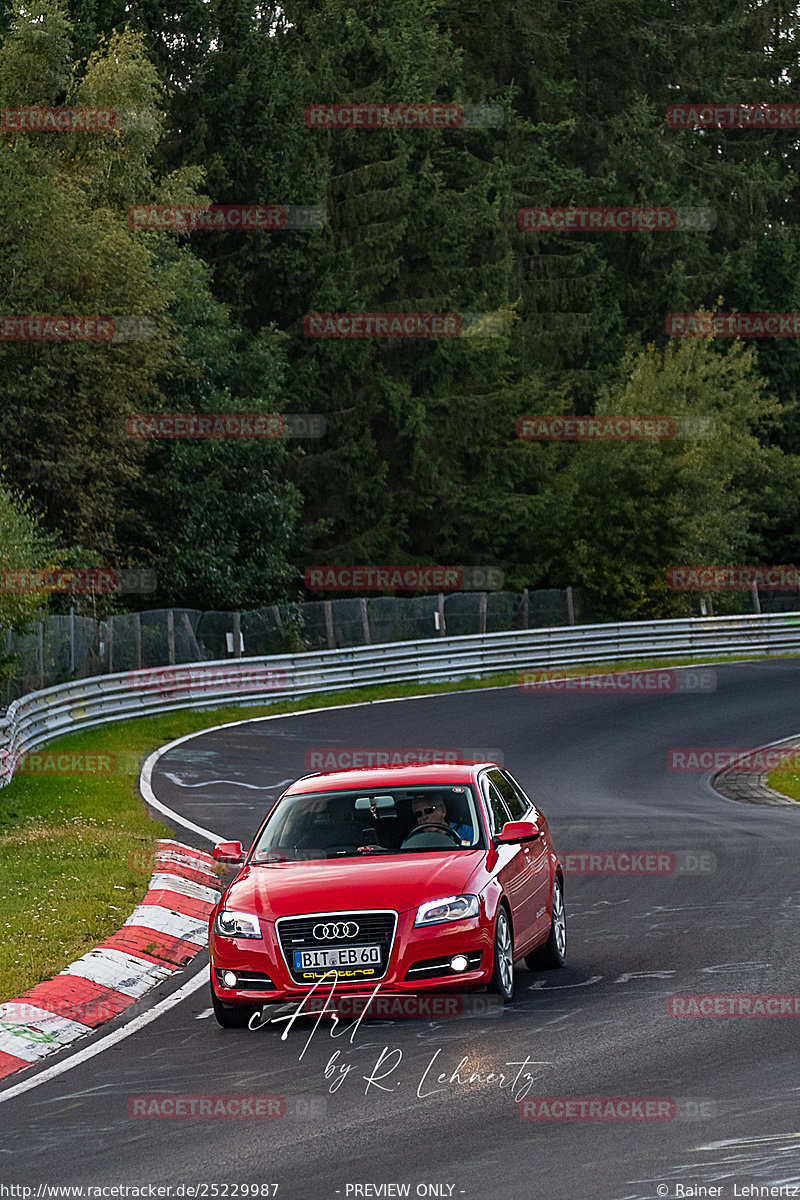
(68, 249)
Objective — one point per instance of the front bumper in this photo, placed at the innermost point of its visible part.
(418, 962)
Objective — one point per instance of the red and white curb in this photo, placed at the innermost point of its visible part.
(161, 935)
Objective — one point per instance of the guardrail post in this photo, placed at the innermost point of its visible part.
(9, 644)
(171, 636)
(137, 639)
(570, 606)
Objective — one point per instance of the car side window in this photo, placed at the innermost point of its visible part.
(497, 809)
(514, 802)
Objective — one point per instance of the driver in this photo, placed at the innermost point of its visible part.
(431, 810)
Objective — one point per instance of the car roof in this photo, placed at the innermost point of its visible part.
(409, 775)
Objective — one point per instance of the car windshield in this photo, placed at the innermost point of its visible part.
(360, 823)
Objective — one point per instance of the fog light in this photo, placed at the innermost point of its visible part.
(230, 980)
(459, 963)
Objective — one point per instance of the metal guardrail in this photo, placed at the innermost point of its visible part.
(76, 647)
(41, 716)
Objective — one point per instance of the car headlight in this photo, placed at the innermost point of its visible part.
(451, 908)
(237, 924)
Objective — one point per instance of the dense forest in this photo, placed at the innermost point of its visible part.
(420, 461)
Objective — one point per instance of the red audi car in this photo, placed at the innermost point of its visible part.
(416, 878)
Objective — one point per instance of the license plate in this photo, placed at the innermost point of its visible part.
(350, 956)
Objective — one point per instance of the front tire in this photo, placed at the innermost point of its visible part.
(231, 1016)
(553, 953)
(502, 981)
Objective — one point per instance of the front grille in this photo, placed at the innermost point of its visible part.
(375, 928)
(441, 966)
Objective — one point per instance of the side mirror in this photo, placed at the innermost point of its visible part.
(518, 831)
(228, 852)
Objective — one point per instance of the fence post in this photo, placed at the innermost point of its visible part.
(278, 621)
(570, 606)
(171, 636)
(482, 612)
(192, 639)
(110, 635)
(41, 654)
(756, 597)
(237, 635)
(525, 608)
(365, 620)
(71, 640)
(137, 638)
(329, 623)
(442, 629)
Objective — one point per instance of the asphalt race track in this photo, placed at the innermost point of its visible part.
(728, 923)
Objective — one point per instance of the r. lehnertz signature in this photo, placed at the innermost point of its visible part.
(336, 1072)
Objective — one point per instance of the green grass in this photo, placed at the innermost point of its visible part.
(75, 849)
(785, 782)
(73, 860)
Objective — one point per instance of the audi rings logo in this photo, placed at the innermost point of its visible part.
(335, 931)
